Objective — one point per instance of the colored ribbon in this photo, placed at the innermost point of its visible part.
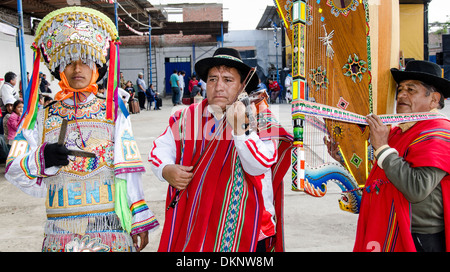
(30, 97)
(303, 107)
(121, 204)
(113, 82)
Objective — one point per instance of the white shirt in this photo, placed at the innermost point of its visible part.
(7, 92)
(181, 82)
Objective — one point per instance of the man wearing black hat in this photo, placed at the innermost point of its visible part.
(405, 201)
(226, 186)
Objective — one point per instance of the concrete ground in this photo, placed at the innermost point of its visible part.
(311, 224)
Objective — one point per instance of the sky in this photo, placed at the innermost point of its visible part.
(245, 14)
(439, 10)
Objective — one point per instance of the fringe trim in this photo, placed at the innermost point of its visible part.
(82, 224)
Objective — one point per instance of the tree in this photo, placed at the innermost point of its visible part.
(440, 27)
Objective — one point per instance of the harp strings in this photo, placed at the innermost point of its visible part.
(318, 88)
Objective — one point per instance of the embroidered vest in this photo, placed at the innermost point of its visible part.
(80, 199)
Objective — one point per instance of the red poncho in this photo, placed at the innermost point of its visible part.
(384, 222)
(221, 208)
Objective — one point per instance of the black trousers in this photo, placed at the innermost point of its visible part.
(141, 98)
(429, 242)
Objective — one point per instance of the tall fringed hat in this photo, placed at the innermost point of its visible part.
(70, 34)
(74, 33)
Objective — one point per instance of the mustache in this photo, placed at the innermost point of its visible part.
(401, 101)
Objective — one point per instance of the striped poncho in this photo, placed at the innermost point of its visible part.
(384, 223)
(222, 208)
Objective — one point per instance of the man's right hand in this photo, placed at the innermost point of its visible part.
(333, 148)
(178, 176)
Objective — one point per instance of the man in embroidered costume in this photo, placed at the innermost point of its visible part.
(92, 203)
(226, 182)
(405, 204)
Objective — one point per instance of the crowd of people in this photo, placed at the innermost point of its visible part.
(11, 103)
(276, 92)
(183, 95)
(140, 93)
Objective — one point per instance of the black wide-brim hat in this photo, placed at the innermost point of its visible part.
(425, 71)
(231, 58)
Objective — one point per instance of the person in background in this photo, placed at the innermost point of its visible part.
(274, 90)
(44, 85)
(141, 88)
(9, 109)
(129, 88)
(13, 121)
(41, 101)
(28, 81)
(288, 86)
(174, 85)
(196, 89)
(122, 81)
(193, 82)
(181, 84)
(158, 101)
(47, 100)
(261, 86)
(7, 91)
(150, 95)
(203, 86)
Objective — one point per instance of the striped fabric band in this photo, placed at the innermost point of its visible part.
(38, 155)
(144, 225)
(128, 167)
(303, 107)
(434, 134)
(138, 207)
(228, 57)
(440, 134)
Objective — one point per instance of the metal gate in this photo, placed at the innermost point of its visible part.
(180, 64)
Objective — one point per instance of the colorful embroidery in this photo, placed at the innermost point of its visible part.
(144, 225)
(233, 209)
(392, 231)
(94, 109)
(434, 134)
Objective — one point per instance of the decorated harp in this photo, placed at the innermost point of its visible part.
(342, 52)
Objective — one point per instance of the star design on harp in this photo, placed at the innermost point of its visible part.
(355, 68)
(319, 78)
(328, 42)
(342, 7)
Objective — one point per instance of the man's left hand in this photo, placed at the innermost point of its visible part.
(236, 117)
(379, 132)
(143, 236)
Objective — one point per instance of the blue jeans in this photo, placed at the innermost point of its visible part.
(175, 95)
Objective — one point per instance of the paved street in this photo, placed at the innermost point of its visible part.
(311, 224)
